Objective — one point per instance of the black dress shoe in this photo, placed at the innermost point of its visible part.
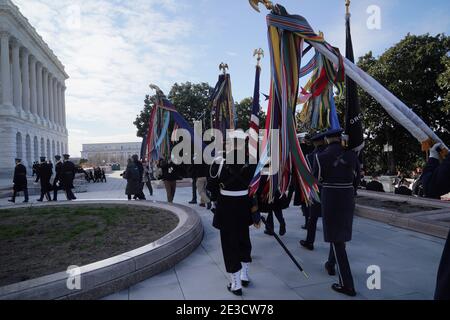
(304, 227)
(245, 283)
(338, 288)
(307, 245)
(282, 229)
(235, 292)
(330, 269)
(39, 200)
(270, 233)
(193, 202)
(13, 201)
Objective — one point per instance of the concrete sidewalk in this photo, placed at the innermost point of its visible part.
(408, 260)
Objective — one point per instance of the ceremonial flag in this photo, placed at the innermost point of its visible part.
(353, 115)
(254, 119)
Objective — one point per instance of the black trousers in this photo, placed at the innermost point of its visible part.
(55, 190)
(311, 228)
(236, 247)
(25, 193)
(45, 194)
(305, 211)
(279, 214)
(194, 189)
(338, 255)
(69, 194)
(149, 186)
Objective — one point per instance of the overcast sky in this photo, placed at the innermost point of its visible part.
(113, 49)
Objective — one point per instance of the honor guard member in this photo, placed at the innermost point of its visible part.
(44, 174)
(229, 187)
(67, 176)
(57, 180)
(315, 210)
(20, 181)
(338, 171)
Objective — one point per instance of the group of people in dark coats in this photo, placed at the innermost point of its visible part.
(135, 174)
(337, 171)
(64, 175)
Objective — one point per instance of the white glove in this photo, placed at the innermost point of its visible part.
(434, 153)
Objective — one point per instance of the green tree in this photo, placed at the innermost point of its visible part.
(193, 101)
(416, 70)
(243, 114)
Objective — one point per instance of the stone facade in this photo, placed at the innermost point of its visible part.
(110, 152)
(32, 93)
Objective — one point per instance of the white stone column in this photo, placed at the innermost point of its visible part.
(40, 96)
(25, 80)
(5, 69)
(64, 117)
(45, 96)
(33, 92)
(50, 98)
(17, 81)
(55, 100)
(58, 100)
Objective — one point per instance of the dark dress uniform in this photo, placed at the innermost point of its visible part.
(57, 180)
(338, 171)
(20, 182)
(315, 210)
(436, 178)
(67, 176)
(44, 174)
(229, 188)
(274, 208)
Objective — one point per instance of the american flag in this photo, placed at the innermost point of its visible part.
(254, 120)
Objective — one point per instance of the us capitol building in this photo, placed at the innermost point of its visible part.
(32, 93)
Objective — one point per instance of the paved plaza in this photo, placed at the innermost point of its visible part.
(408, 260)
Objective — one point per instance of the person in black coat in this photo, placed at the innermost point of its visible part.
(229, 185)
(68, 171)
(436, 174)
(44, 174)
(170, 175)
(20, 181)
(315, 210)
(57, 180)
(375, 185)
(436, 183)
(140, 195)
(339, 171)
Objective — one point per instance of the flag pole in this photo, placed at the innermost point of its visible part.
(263, 219)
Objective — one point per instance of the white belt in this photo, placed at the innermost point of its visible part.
(234, 193)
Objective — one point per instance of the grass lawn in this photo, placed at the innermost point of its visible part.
(39, 241)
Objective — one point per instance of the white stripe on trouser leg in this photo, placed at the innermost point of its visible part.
(337, 264)
(236, 283)
(244, 271)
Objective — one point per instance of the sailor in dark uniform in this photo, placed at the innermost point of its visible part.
(229, 185)
(57, 180)
(67, 176)
(315, 210)
(338, 171)
(44, 174)
(20, 181)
